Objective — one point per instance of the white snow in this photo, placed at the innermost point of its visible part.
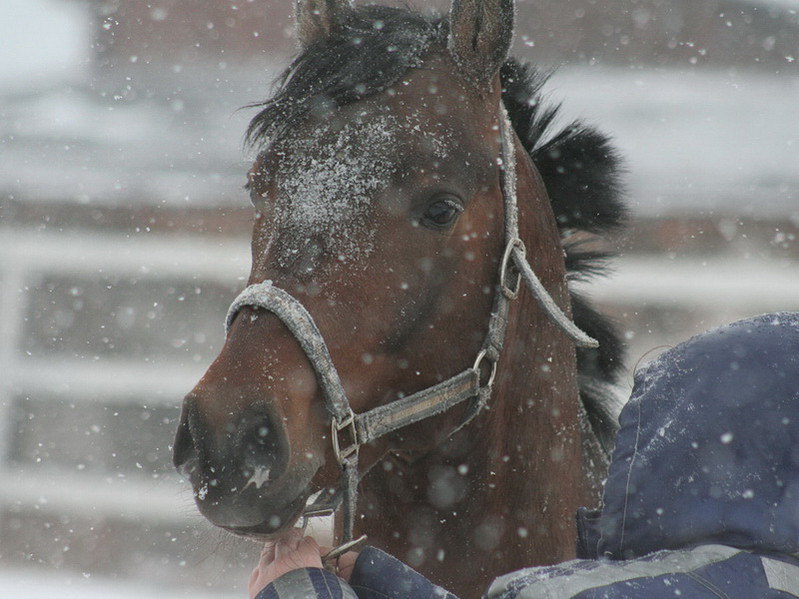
(695, 141)
(329, 181)
(328, 184)
(259, 477)
(43, 41)
(759, 285)
(788, 5)
(39, 584)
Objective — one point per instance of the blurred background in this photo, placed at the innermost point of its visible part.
(124, 235)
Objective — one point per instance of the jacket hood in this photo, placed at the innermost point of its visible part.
(708, 446)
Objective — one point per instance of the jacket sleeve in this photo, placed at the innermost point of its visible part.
(378, 575)
(703, 572)
(307, 583)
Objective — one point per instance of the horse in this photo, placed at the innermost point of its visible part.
(386, 359)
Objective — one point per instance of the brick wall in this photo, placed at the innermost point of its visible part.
(190, 31)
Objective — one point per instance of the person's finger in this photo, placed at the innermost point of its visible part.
(290, 552)
(346, 563)
(308, 553)
(267, 553)
(286, 546)
(251, 585)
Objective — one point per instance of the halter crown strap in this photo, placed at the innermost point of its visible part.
(515, 247)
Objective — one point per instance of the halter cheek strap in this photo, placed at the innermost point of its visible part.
(349, 430)
(514, 247)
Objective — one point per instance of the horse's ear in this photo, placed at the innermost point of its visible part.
(318, 19)
(480, 34)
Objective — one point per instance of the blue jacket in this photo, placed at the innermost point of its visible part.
(702, 497)
(376, 575)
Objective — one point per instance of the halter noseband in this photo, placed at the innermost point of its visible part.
(349, 430)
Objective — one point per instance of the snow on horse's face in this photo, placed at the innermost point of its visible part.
(384, 218)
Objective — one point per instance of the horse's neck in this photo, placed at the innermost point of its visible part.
(501, 494)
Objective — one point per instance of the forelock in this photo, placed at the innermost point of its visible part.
(374, 47)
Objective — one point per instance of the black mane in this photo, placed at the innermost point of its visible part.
(372, 49)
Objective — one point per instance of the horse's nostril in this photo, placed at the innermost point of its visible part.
(262, 438)
(263, 453)
(184, 452)
(248, 452)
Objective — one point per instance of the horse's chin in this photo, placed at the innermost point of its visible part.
(256, 537)
(275, 526)
(244, 506)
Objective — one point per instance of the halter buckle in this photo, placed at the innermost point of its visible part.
(350, 445)
(480, 357)
(511, 291)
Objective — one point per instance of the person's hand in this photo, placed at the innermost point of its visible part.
(343, 564)
(290, 553)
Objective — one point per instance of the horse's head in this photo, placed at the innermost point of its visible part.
(380, 199)
(378, 207)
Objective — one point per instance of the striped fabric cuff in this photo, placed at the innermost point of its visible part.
(311, 583)
(572, 578)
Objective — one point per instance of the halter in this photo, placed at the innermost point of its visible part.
(349, 430)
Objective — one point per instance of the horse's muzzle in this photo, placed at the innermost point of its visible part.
(241, 476)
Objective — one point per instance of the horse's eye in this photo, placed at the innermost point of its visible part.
(257, 199)
(442, 213)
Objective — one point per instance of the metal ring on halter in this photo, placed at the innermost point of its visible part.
(336, 427)
(508, 291)
(480, 357)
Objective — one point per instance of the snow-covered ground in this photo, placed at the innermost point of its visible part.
(35, 584)
(76, 142)
(694, 142)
